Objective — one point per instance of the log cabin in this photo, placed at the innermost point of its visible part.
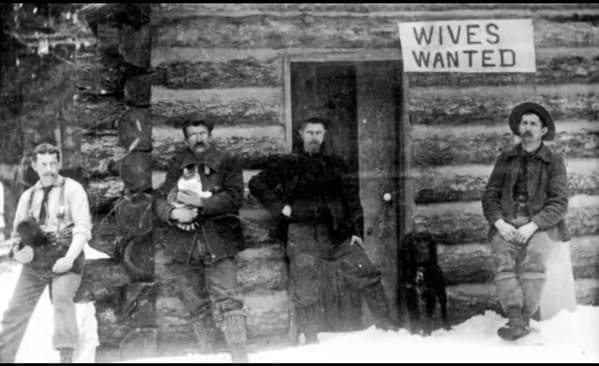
(428, 140)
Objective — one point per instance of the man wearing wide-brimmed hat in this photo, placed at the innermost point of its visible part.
(525, 201)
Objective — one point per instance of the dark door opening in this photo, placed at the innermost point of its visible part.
(363, 102)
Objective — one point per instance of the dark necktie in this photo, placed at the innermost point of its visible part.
(44, 209)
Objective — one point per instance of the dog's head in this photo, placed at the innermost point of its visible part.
(420, 252)
(31, 233)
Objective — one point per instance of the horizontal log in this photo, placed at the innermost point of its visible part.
(249, 72)
(99, 275)
(261, 268)
(330, 9)
(450, 147)
(468, 300)
(185, 68)
(467, 182)
(491, 105)
(250, 106)
(463, 222)
(261, 30)
(473, 263)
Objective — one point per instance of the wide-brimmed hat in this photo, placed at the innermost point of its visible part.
(530, 107)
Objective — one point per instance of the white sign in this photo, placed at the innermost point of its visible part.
(468, 46)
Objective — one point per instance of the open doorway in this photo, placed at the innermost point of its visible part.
(363, 101)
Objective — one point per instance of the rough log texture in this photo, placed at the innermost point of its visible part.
(249, 106)
(388, 9)
(101, 154)
(472, 263)
(463, 222)
(468, 300)
(217, 68)
(467, 182)
(491, 105)
(342, 29)
(435, 150)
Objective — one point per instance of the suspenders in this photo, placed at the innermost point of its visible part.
(62, 204)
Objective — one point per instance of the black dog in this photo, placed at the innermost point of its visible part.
(423, 282)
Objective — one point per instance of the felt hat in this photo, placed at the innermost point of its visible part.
(530, 107)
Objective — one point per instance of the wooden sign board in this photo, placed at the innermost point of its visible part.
(495, 45)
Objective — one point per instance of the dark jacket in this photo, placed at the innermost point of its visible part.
(318, 187)
(547, 188)
(220, 227)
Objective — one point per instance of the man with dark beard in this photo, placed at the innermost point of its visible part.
(209, 222)
(525, 201)
(318, 196)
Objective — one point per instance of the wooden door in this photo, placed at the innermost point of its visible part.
(362, 102)
(378, 114)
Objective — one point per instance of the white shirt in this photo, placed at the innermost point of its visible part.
(76, 207)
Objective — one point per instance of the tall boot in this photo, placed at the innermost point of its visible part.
(516, 326)
(379, 306)
(234, 329)
(307, 317)
(207, 334)
(532, 288)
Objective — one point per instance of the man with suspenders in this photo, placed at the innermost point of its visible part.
(59, 205)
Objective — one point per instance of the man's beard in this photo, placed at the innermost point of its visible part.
(313, 147)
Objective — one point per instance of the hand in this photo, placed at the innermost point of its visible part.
(184, 215)
(507, 231)
(286, 211)
(524, 232)
(23, 255)
(190, 198)
(62, 265)
(357, 240)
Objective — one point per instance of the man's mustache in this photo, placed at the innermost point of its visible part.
(527, 133)
(199, 144)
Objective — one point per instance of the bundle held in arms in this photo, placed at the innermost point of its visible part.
(46, 247)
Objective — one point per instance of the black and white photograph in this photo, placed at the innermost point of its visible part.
(299, 182)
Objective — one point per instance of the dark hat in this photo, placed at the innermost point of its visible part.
(530, 107)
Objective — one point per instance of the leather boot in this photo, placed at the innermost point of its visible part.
(66, 355)
(234, 330)
(207, 334)
(516, 326)
(379, 306)
(308, 321)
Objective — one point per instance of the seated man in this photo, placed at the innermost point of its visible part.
(525, 202)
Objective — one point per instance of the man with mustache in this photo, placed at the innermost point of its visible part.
(314, 198)
(60, 206)
(209, 223)
(525, 201)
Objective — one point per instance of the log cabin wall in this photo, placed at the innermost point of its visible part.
(227, 61)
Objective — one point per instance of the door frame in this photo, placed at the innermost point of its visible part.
(405, 206)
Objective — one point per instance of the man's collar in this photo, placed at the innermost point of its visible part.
(59, 181)
(542, 153)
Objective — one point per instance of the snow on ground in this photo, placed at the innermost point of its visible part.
(567, 337)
